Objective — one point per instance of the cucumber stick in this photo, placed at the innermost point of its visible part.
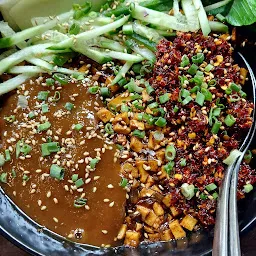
(34, 31)
(87, 35)
(122, 72)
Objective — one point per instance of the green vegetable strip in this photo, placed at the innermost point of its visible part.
(203, 20)
(157, 18)
(191, 14)
(34, 31)
(71, 42)
(15, 82)
(218, 27)
(25, 69)
(216, 5)
(122, 72)
(150, 33)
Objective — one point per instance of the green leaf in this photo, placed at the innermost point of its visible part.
(242, 12)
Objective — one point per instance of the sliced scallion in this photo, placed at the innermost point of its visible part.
(184, 61)
(123, 182)
(93, 89)
(139, 134)
(79, 183)
(161, 122)
(56, 96)
(104, 92)
(216, 127)
(234, 154)
(109, 129)
(45, 108)
(69, 106)
(74, 177)
(7, 155)
(187, 100)
(210, 187)
(2, 160)
(170, 152)
(3, 177)
(169, 167)
(45, 126)
(80, 202)
(192, 70)
(57, 172)
(10, 119)
(31, 115)
(208, 68)
(183, 162)
(198, 58)
(93, 162)
(43, 95)
(164, 98)
(78, 127)
(248, 188)
(188, 191)
(61, 78)
(229, 120)
(200, 98)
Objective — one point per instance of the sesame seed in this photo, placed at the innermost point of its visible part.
(111, 204)
(110, 186)
(43, 208)
(55, 219)
(104, 231)
(106, 200)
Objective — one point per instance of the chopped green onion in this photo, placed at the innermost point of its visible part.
(248, 188)
(203, 196)
(61, 78)
(78, 127)
(74, 29)
(183, 162)
(137, 105)
(50, 147)
(56, 96)
(216, 127)
(235, 87)
(175, 109)
(45, 108)
(187, 100)
(109, 129)
(194, 89)
(49, 81)
(105, 92)
(79, 183)
(93, 162)
(43, 95)
(161, 122)
(136, 96)
(45, 126)
(3, 177)
(216, 112)
(210, 187)
(207, 94)
(2, 160)
(200, 98)
(169, 167)
(247, 156)
(183, 79)
(14, 175)
(149, 89)
(74, 177)
(192, 70)
(133, 87)
(229, 120)
(57, 172)
(208, 68)
(93, 89)
(215, 195)
(184, 61)
(123, 183)
(185, 93)
(234, 98)
(124, 108)
(31, 115)
(243, 94)
(119, 147)
(25, 177)
(80, 202)
(136, 68)
(122, 82)
(139, 134)
(228, 91)
(158, 135)
(18, 148)
(81, 10)
(212, 83)
(153, 105)
(10, 119)
(199, 58)
(7, 155)
(164, 98)
(188, 191)
(25, 149)
(127, 29)
(170, 152)
(69, 106)
(234, 154)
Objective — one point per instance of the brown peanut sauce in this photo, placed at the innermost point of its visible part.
(48, 201)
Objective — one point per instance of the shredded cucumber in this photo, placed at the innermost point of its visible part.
(122, 72)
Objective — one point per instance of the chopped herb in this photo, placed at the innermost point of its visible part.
(25, 177)
(74, 29)
(169, 167)
(50, 147)
(153, 105)
(200, 98)
(184, 61)
(175, 109)
(43, 95)
(123, 182)
(45, 108)
(208, 68)
(170, 152)
(93, 162)
(248, 188)
(74, 177)
(198, 58)
(234, 98)
(161, 122)
(80, 202)
(247, 156)
(192, 70)
(216, 127)
(188, 191)
(109, 129)
(3, 177)
(7, 155)
(14, 175)
(69, 106)
(61, 78)
(105, 92)
(235, 87)
(78, 127)
(2, 160)
(79, 183)
(124, 108)
(10, 119)
(139, 134)
(203, 196)
(49, 81)
(215, 195)
(229, 120)
(45, 126)
(93, 89)
(57, 172)
(164, 98)
(183, 162)
(187, 100)
(149, 89)
(210, 187)
(56, 96)
(31, 115)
